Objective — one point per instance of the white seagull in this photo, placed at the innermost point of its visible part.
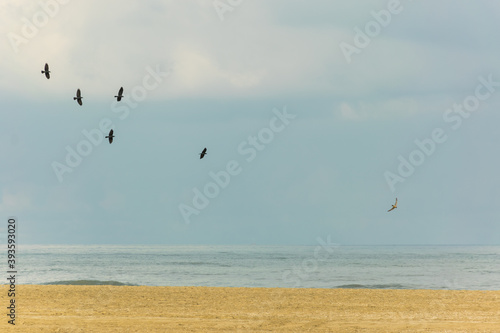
(394, 206)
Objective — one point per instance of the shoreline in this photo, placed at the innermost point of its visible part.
(106, 308)
(122, 284)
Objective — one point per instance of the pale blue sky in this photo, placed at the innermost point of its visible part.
(322, 174)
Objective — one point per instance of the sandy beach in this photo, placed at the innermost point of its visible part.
(204, 309)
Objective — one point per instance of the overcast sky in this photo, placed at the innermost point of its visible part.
(316, 115)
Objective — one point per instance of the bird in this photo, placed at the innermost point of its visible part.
(46, 71)
(110, 137)
(78, 97)
(203, 153)
(394, 206)
(120, 94)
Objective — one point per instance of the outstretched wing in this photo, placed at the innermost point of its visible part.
(120, 94)
(391, 209)
(79, 100)
(78, 93)
(203, 153)
(110, 136)
(46, 71)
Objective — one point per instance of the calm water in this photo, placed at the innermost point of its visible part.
(395, 267)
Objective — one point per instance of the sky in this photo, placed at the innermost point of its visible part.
(316, 115)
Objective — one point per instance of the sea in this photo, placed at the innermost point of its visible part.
(321, 266)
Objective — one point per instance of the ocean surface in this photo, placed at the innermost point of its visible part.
(321, 266)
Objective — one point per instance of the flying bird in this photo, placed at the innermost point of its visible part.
(78, 97)
(203, 153)
(46, 71)
(120, 94)
(394, 206)
(110, 137)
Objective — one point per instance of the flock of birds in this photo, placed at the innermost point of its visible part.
(118, 97)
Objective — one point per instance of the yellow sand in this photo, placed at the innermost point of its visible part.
(202, 309)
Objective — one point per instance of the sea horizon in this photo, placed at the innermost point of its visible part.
(453, 267)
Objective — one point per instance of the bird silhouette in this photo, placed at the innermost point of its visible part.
(394, 206)
(203, 153)
(120, 94)
(110, 137)
(46, 71)
(78, 97)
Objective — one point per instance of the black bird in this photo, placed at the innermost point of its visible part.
(110, 137)
(203, 153)
(78, 97)
(120, 94)
(46, 71)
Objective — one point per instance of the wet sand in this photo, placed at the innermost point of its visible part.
(204, 309)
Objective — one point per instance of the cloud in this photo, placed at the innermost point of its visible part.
(64, 199)
(15, 201)
(281, 55)
(113, 201)
(29, 198)
(348, 112)
(196, 70)
(361, 111)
